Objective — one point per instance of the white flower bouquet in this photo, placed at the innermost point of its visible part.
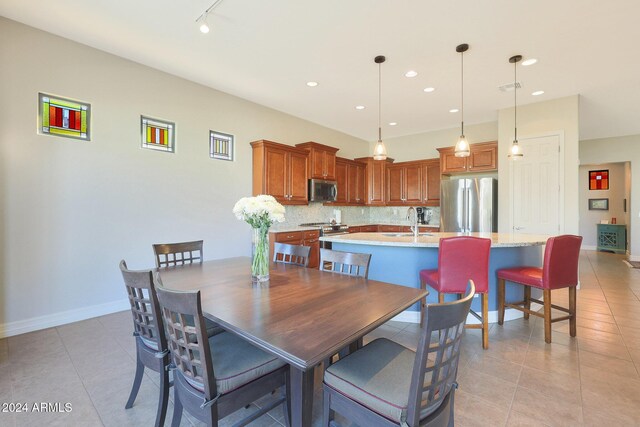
(260, 213)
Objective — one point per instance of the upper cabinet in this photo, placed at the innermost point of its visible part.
(350, 178)
(280, 171)
(431, 182)
(413, 183)
(322, 160)
(374, 180)
(483, 158)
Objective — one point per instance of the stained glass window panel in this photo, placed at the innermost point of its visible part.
(599, 180)
(63, 117)
(221, 146)
(158, 134)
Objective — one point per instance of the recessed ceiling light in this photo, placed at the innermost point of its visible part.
(411, 73)
(312, 84)
(393, 123)
(429, 89)
(454, 110)
(538, 92)
(529, 61)
(359, 107)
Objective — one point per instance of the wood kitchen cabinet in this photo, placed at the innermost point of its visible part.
(342, 166)
(322, 160)
(350, 179)
(374, 180)
(404, 184)
(280, 171)
(483, 158)
(304, 238)
(389, 228)
(430, 193)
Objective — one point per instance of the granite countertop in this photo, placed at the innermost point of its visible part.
(431, 240)
(289, 228)
(402, 223)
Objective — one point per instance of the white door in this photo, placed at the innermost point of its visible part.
(535, 189)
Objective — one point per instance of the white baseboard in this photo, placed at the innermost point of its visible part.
(588, 248)
(634, 257)
(56, 319)
(509, 314)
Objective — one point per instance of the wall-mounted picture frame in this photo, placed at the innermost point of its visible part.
(64, 117)
(158, 134)
(598, 204)
(599, 180)
(221, 145)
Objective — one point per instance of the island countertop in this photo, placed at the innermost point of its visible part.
(431, 240)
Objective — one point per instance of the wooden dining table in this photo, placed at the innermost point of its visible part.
(303, 315)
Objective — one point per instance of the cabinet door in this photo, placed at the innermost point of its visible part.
(413, 184)
(354, 229)
(341, 179)
(352, 179)
(297, 181)
(369, 229)
(431, 184)
(395, 194)
(314, 253)
(276, 176)
(362, 184)
(376, 182)
(329, 165)
(451, 164)
(483, 158)
(316, 163)
(389, 228)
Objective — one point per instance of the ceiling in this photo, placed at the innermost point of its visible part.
(266, 51)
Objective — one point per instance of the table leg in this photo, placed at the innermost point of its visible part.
(301, 397)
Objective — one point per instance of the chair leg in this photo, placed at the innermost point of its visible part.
(547, 315)
(177, 409)
(501, 287)
(326, 409)
(211, 414)
(136, 382)
(286, 405)
(485, 320)
(164, 398)
(440, 297)
(527, 300)
(572, 311)
(423, 302)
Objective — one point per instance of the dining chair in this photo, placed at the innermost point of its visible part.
(385, 384)
(216, 376)
(291, 254)
(171, 254)
(151, 343)
(462, 258)
(353, 264)
(559, 270)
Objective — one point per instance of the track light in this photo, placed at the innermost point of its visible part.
(202, 19)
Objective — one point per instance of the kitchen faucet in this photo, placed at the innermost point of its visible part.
(412, 217)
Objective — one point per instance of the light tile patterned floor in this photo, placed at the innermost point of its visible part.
(520, 381)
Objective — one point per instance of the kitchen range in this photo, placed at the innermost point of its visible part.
(327, 229)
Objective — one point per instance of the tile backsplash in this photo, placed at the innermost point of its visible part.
(316, 212)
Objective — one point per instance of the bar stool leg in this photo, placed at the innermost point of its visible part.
(440, 297)
(485, 320)
(423, 302)
(500, 301)
(527, 301)
(572, 311)
(547, 315)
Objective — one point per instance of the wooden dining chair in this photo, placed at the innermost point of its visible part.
(171, 254)
(216, 376)
(151, 343)
(354, 264)
(291, 254)
(385, 384)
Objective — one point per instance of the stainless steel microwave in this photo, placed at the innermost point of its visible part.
(321, 190)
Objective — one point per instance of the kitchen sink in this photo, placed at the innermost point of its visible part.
(405, 234)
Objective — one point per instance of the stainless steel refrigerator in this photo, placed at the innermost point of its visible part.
(469, 205)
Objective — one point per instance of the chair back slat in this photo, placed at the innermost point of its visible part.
(349, 263)
(188, 345)
(144, 305)
(291, 254)
(561, 255)
(437, 356)
(171, 254)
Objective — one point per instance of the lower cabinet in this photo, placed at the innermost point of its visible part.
(304, 238)
(612, 237)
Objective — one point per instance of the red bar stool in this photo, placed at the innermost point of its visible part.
(560, 270)
(461, 259)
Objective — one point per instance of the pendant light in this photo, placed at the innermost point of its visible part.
(462, 146)
(379, 151)
(515, 152)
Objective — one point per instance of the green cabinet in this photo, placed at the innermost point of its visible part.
(612, 237)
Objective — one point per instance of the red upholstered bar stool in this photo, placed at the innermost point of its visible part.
(560, 270)
(461, 259)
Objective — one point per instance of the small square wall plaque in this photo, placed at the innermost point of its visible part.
(158, 134)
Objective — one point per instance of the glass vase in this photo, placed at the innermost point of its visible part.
(260, 255)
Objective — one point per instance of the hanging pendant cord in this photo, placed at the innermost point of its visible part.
(515, 102)
(462, 98)
(379, 101)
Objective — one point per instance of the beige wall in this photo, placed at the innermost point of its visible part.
(558, 115)
(620, 149)
(71, 210)
(424, 145)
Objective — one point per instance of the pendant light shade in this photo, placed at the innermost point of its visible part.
(515, 152)
(379, 151)
(462, 146)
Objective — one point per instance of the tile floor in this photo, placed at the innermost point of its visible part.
(519, 381)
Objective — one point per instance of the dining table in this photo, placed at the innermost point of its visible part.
(301, 315)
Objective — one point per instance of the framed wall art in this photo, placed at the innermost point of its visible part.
(599, 180)
(64, 117)
(221, 146)
(158, 134)
(598, 204)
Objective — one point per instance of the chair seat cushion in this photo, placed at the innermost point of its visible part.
(152, 344)
(236, 362)
(530, 276)
(430, 277)
(377, 376)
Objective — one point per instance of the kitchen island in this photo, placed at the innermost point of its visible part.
(398, 257)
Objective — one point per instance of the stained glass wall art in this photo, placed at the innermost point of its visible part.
(221, 146)
(599, 180)
(63, 117)
(158, 134)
